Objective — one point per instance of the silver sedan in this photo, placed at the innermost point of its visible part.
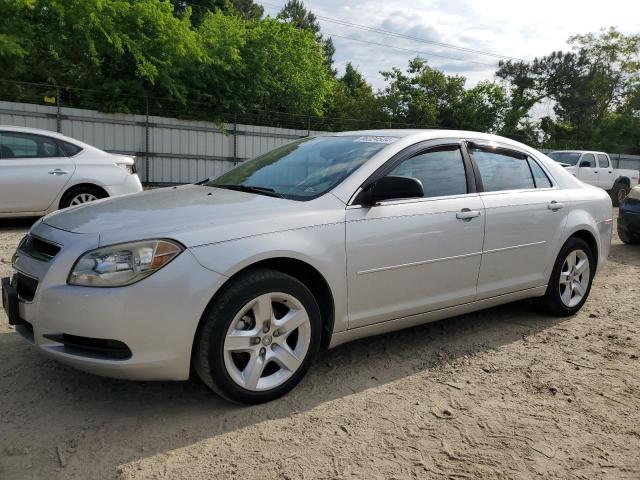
(314, 244)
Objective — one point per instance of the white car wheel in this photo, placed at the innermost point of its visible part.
(82, 198)
(267, 341)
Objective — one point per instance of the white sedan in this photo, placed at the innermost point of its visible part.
(42, 171)
(319, 242)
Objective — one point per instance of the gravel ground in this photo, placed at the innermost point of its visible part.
(505, 393)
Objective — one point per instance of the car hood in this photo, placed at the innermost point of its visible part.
(194, 215)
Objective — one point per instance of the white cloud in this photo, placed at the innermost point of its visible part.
(507, 27)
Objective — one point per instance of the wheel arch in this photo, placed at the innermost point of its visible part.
(76, 186)
(590, 239)
(623, 180)
(302, 271)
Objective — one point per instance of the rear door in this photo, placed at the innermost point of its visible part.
(33, 171)
(525, 219)
(409, 256)
(605, 172)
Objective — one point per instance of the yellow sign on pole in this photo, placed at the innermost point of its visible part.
(49, 99)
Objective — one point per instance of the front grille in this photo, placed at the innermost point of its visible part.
(26, 286)
(38, 248)
(99, 347)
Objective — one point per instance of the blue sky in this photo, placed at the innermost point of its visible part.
(522, 29)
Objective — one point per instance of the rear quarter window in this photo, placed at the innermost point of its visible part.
(69, 149)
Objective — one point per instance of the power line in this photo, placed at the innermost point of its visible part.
(411, 50)
(405, 36)
(395, 34)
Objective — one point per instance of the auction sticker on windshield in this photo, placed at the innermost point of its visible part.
(386, 140)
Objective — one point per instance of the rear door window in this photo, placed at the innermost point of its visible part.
(603, 161)
(502, 170)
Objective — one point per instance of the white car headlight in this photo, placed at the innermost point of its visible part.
(123, 264)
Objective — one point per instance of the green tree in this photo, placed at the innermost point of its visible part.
(353, 104)
(124, 49)
(295, 13)
(265, 65)
(197, 9)
(589, 86)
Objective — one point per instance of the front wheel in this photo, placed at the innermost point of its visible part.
(571, 279)
(259, 337)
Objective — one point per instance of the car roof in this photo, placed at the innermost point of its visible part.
(48, 133)
(580, 151)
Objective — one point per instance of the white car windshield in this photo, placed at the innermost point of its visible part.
(303, 169)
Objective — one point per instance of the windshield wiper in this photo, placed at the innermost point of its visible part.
(270, 192)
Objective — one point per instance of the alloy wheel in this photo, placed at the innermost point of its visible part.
(267, 341)
(82, 198)
(574, 278)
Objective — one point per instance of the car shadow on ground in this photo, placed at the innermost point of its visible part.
(54, 404)
(625, 254)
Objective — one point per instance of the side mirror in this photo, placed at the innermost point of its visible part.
(586, 163)
(388, 188)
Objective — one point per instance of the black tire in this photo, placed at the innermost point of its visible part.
(208, 352)
(625, 238)
(72, 193)
(618, 193)
(551, 303)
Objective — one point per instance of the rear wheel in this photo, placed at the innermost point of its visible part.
(618, 193)
(80, 195)
(259, 337)
(570, 281)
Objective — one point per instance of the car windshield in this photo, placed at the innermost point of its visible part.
(570, 158)
(303, 169)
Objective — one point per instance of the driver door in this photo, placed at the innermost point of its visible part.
(410, 256)
(588, 170)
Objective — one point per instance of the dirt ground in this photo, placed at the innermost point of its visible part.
(505, 393)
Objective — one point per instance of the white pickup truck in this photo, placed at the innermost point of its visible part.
(595, 168)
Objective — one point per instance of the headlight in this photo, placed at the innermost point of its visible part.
(123, 264)
(634, 193)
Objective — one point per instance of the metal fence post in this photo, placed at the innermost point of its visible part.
(146, 141)
(58, 113)
(235, 138)
(308, 125)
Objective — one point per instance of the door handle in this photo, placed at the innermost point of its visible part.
(58, 171)
(466, 215)
(554, 206)
(596, 171)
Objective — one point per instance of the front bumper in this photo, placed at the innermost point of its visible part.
(156, 318)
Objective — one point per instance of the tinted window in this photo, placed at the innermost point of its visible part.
(69, 148)
(540, 178)
(441, 172)
(603, 161)
(23, 145)
(588, 160)
(502, 171)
